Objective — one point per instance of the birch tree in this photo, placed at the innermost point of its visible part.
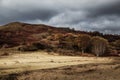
(99, 46)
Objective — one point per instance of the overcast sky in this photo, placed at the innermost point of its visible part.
(88, 15)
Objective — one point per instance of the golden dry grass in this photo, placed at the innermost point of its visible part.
(27, 61)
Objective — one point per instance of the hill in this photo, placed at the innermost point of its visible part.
(50, 38)
(16, 33)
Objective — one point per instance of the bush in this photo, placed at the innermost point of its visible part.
(28, 48)
(39, 45)
(35, 47)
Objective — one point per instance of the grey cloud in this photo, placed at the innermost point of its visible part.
(89, 15)
(112, 9)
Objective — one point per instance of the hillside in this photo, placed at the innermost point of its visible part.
(62, 40)
(16, 33)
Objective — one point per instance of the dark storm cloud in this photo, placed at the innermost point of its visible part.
(16, 10)
(14, 13)
(43, 15)
(112, 9)
(89, 15)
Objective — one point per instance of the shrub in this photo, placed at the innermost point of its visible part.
(28, 48)
(39, 45)
(35, 47)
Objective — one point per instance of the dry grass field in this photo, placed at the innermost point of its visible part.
(50, 66)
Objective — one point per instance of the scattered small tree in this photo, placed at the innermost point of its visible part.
(70, 40)
(83, 41)
(99, 45)
(116, 44)
(66, 41)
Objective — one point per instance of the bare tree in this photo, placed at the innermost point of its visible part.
(99, 45)
(83, 42)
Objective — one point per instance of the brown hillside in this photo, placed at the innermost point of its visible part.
(16, 33)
